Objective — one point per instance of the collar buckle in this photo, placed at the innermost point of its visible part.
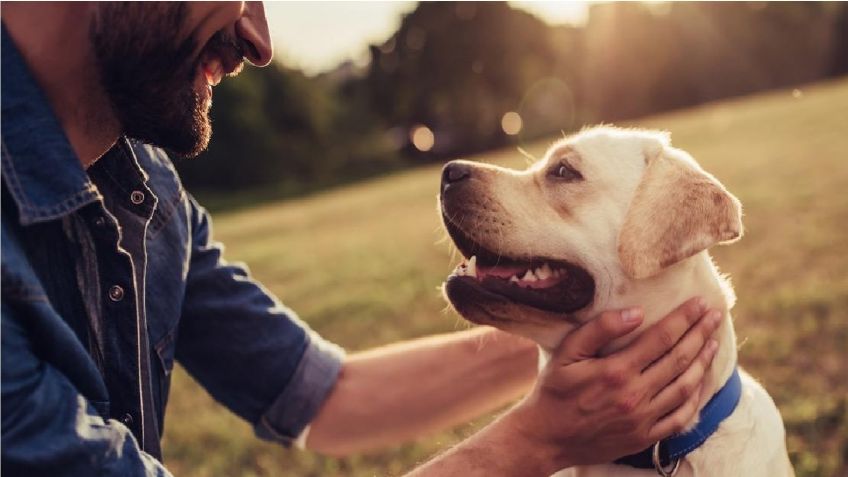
(655, 458)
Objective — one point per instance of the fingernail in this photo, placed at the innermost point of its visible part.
(631, 315)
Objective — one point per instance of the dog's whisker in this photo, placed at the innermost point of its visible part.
(500, 244)
(528, 158)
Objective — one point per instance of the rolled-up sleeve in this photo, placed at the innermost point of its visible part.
(248, 350)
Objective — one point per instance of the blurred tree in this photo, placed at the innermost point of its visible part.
(276, 127)
(643, 58)
(457, 68)
(839, 65)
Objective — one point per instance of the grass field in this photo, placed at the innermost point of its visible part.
(361, 264)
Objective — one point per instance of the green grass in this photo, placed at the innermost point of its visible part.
(362, 263)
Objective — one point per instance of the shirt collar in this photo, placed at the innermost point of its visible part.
(43, 174)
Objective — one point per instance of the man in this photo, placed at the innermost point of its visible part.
(109, 273)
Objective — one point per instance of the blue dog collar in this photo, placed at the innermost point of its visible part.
(720, 406)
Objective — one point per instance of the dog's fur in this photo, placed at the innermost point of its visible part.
(639, 221)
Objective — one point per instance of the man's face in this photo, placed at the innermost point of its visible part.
(157, 63)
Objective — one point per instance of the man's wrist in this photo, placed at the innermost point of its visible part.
(547, 456)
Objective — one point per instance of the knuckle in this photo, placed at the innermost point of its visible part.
(627, 404)
(681, 362)
(693, 314)
(666, 337)
(685, 389)
(615, 375)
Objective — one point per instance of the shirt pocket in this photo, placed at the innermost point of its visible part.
(164, 351)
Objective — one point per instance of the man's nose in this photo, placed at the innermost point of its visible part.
(455, 172)
(252, 28)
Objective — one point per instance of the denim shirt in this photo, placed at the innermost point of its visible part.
(109, 275)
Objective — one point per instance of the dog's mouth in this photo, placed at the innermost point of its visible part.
(551, 285)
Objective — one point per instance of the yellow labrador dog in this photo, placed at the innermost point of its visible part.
(608, 219)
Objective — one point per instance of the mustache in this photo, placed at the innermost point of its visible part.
(227, 48)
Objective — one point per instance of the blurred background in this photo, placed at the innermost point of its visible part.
(323, 170)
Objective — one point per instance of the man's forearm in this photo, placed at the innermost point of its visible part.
(496, 450)
(396, 393)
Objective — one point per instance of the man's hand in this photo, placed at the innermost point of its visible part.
(588, 410)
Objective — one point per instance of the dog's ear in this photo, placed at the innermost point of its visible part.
(677, 211)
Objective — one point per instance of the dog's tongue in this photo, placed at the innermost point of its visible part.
(499, 271)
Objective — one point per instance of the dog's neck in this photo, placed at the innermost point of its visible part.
(695, 276)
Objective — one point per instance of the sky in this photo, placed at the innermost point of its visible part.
(317, 36)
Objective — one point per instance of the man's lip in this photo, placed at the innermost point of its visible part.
(213, 71)
(215, 66)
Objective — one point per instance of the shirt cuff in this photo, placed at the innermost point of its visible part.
(297, 405)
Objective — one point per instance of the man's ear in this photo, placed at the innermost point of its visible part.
(677, 211)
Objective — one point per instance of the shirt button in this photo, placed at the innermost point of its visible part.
(116, 293)
(127, 419)
(137, 197)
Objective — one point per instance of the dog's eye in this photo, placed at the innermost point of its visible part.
(566, 172)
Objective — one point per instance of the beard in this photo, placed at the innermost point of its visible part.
(148, 73)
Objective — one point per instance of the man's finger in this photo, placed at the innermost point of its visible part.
(675, 394)
(675, 422)
(586, 341)
(680, 358)
(663, 335)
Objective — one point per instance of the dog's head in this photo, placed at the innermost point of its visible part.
(545, 247)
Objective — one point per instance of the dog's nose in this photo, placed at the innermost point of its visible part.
(454, 172)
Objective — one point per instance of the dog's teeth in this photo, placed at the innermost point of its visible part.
(513, 279)
(472, 266)
(544, 272)
(529, 276)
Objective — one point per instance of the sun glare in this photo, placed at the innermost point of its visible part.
(422, 138)
(511, 123)
(575, 13)
(299, 29)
